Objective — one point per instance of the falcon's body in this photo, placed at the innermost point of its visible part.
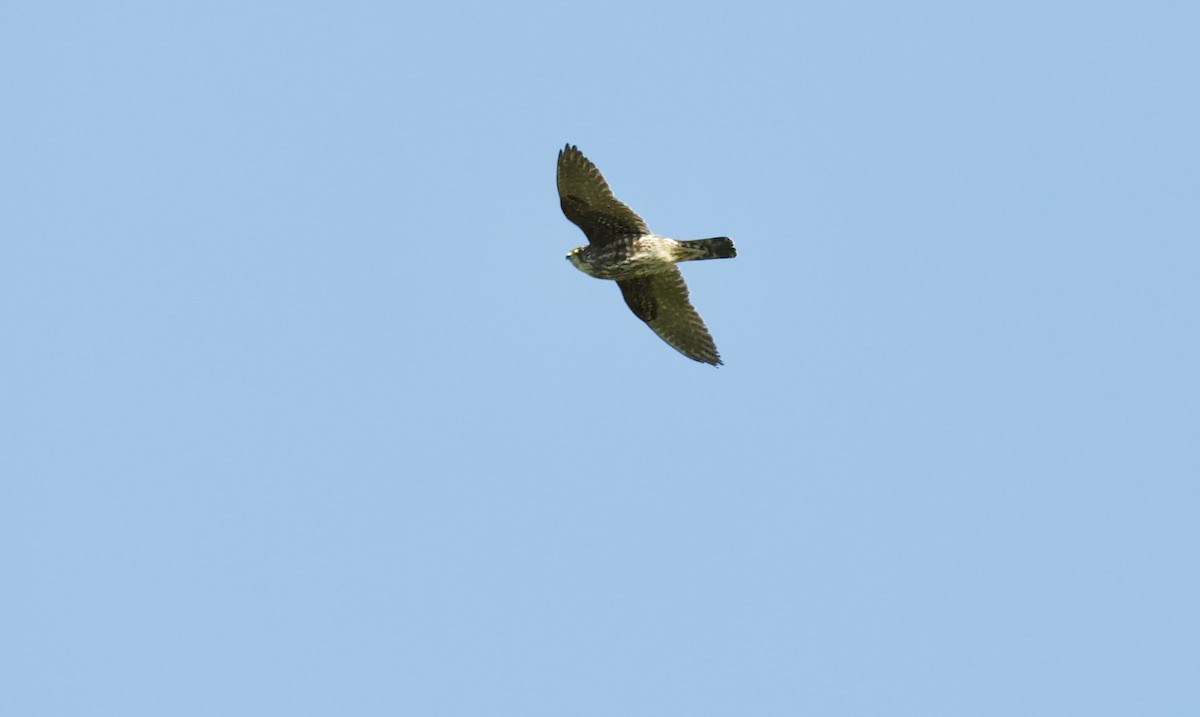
(620, 247)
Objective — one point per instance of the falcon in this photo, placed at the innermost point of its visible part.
(621, 248)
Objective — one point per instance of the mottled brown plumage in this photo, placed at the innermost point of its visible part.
(621, 247)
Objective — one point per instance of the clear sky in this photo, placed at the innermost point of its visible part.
(303, 412)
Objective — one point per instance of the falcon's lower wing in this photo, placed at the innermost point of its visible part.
(661, 300)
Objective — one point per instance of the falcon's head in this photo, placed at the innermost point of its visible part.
(577, 257)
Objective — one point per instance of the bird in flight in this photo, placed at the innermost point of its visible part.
(620, 247)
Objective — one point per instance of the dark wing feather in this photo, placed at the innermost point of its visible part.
(661, 300)
(589, 203)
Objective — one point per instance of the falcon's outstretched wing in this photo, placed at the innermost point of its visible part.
(589, 203)
(661, 300)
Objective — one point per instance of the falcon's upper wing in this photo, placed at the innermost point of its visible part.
(589, 203)
(661, 300)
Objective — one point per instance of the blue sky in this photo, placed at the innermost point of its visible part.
(304, 412)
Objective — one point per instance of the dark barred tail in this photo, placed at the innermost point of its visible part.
(715, 248)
